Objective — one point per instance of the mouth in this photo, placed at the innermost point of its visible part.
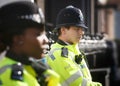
(45, 49)
(80, 37)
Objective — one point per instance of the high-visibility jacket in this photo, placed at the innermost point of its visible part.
(61, 58)
(28, 77)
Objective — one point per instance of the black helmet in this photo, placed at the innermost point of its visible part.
(70, 16)
(20, 14)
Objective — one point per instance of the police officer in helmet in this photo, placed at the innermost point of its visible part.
(22, 36)
(65, 57)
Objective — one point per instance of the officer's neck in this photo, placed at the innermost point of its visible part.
(62, 42)
(19, 58)
(65, 40)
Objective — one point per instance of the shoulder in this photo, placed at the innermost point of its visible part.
(6, 66)
(11, 70)
(56, 45)
(16, 74)
(9, 73)
(6, 61)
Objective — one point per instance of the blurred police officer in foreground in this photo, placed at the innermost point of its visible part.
(22, 34)
(64, 56)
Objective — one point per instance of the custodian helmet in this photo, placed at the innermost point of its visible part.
(20, 14)
(70, 16)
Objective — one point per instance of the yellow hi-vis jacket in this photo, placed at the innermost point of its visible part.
(29, 75)
(71, 73)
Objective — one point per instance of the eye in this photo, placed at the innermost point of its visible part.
(38, 34)
(77, 28)
(41, 33)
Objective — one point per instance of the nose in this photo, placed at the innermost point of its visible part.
(81, 31)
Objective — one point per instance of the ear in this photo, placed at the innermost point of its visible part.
(18, 40)
(63, 30)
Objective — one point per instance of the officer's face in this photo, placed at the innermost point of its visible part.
(35, 42)
(73, 34)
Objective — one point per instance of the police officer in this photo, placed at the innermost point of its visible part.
(65, 57)
(22, 36)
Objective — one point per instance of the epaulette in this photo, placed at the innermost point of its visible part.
(0, 82)
(17, 72)
(64, 52)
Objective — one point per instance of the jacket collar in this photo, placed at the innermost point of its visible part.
(61, 42)
(72, 47)
(23, 59)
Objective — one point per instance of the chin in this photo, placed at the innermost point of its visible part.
(43, 55)
(40, 56)
(77, 41)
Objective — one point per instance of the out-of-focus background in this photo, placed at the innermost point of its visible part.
(101, 43)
